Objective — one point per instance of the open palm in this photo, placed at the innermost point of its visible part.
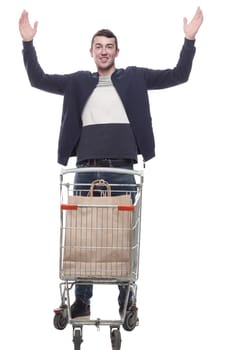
(191, 28)
(26, 30)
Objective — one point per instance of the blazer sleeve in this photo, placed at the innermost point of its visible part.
(54, 83)
(164, 78)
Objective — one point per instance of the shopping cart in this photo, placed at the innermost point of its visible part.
(99, 244)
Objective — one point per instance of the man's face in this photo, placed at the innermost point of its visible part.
(104, 51)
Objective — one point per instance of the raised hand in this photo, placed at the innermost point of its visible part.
(191, 28)
(26, 30)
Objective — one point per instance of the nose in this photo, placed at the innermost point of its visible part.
(103, 51)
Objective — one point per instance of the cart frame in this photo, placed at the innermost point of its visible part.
(128, 318)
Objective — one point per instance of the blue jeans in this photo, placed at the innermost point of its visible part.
(85, 292)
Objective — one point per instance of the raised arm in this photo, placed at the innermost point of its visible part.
(54, 83)
(27, 31)
(164, 78)
(191, 28)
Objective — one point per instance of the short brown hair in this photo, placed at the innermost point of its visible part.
(107, 33)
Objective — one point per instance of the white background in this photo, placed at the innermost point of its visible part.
(185, 288)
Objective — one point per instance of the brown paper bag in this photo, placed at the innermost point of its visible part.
(97, 238)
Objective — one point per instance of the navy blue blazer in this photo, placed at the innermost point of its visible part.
(131, 83)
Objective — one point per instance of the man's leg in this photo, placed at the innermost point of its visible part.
(130, 187)
(83, 293)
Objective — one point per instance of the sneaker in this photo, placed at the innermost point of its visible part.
(80, 309)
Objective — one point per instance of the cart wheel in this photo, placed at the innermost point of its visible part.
(60, 321)
(77, 339)
(131, 320)
(116, 339)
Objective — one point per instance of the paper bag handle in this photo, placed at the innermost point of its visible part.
(102, 183)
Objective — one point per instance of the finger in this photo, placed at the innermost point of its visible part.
(185, 21)
(24, 17)
(198, 13)
(35, 25)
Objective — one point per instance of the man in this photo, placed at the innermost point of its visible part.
(106, 119)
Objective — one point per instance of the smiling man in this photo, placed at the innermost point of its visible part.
(106, 119)
(104, 49)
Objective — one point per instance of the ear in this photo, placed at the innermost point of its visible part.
(117, 52)
(91, 52)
